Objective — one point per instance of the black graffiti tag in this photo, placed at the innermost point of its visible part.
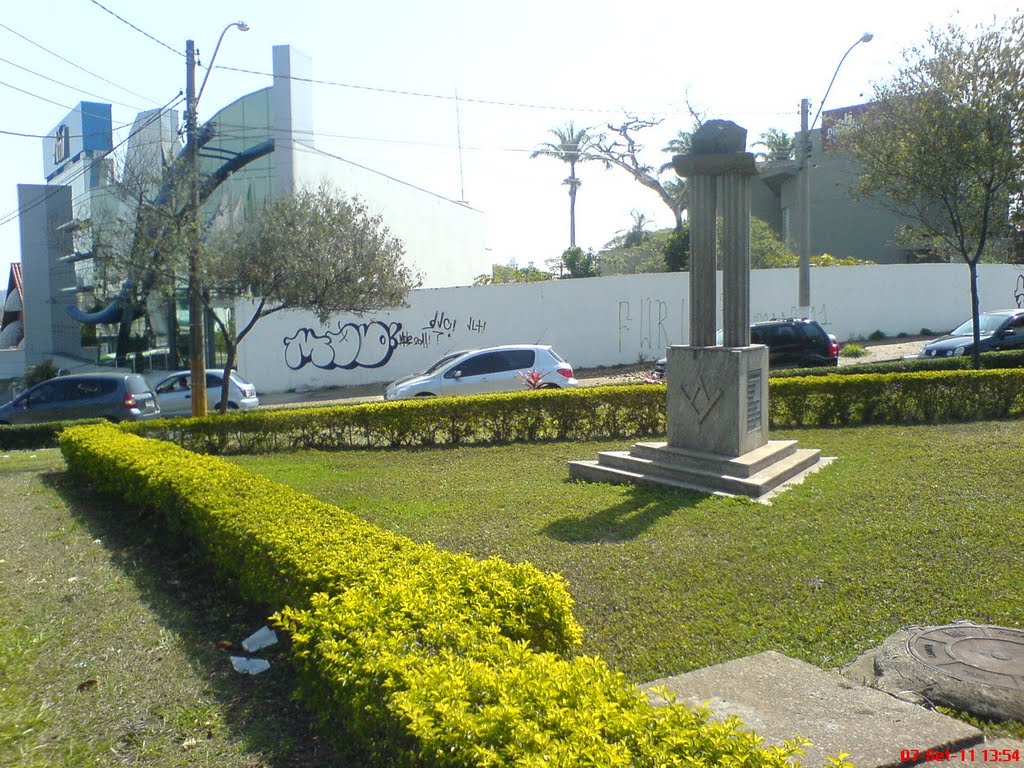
(353, 345)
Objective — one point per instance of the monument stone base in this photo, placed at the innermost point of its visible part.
(717, 431)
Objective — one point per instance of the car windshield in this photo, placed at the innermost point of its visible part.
(442, 362)
(988, 324)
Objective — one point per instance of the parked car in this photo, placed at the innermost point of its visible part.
(1003, 329)
(479, 371)
(113, 396)
(792, 342)
(175, 392)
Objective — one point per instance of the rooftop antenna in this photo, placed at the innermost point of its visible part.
(458, 136)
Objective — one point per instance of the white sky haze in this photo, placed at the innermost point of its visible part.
(518, 68)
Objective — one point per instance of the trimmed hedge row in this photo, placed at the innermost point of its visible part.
(564, 414)
(989, 361)
(281, 546)
(896, 398)
(625, 411)
(30, 437)
(413, 657)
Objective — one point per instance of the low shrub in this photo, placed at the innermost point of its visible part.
(280, 547)
(925, 396)
(411, 656)
(24, 437)
(853, 350)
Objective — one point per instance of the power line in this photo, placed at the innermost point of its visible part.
(34, 95)
(76, 66)
(419, 94)
(65, 85)
(137, 29)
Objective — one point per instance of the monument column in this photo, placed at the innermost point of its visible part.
(703, 205)
(717, 396)
(736, 258)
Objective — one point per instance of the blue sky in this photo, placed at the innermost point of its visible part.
(518, 70)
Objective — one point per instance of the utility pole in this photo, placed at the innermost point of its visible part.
(196, 313)
(804, 271)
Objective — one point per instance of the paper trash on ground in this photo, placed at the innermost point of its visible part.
(248, 666)
(261, 638)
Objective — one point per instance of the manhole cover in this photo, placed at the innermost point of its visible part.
(977, 668)
(972, 652)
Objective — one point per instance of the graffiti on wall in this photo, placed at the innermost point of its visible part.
(819, 313)
(368, 345)
(353, 345)
(439, 327)
(1018, 292)
(643, 326)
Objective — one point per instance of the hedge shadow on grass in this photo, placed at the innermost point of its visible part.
(175, 584)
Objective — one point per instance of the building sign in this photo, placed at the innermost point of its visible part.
(61, 145)
(86, 129)
(834, 119)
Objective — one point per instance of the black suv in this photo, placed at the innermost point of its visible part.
(792, 343)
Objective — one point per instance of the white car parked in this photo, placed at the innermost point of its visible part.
(480, 371)
(174, 392)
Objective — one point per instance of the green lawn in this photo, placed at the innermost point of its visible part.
(909, 525)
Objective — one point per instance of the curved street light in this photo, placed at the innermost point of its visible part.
(196, 314)
(804, 271)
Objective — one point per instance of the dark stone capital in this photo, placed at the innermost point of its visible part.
(732, 164)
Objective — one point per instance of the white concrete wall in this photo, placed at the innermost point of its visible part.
(600, 321)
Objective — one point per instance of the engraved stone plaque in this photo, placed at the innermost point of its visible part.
(754, 400)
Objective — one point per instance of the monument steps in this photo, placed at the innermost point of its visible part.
(778, 697)
(754, 474)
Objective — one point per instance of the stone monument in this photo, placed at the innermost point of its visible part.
(717, 407)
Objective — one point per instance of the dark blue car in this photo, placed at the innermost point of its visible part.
(998, 330)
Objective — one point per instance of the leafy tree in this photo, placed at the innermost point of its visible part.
(313, 251)
(767, 251)
(509, 274)
(777, 143)
(942, 141)
(579, 263)
(572, 147)
(676, 252)
(635, 251)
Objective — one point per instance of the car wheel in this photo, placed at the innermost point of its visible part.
(424, 394)
(548, 386)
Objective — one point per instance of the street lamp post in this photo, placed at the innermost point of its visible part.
(196, 314)
(804, 272)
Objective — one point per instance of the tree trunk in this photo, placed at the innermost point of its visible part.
(972, 266)
(572, 214)
(225, 387)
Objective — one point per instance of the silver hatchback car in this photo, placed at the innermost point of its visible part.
(175, 392)
(480, 371)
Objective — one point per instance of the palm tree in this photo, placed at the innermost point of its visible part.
(571, 148)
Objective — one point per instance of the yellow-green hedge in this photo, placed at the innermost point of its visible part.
(412, 656)
(896, 398)
(281, 546)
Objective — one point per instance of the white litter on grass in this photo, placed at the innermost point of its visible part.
(248, 666)
(261, 638)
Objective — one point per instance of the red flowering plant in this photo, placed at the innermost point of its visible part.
(532, 379)
(650, 378)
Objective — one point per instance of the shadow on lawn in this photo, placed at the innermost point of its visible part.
(194, 604)
(641, 509)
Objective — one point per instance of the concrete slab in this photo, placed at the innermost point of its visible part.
(778, 697)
